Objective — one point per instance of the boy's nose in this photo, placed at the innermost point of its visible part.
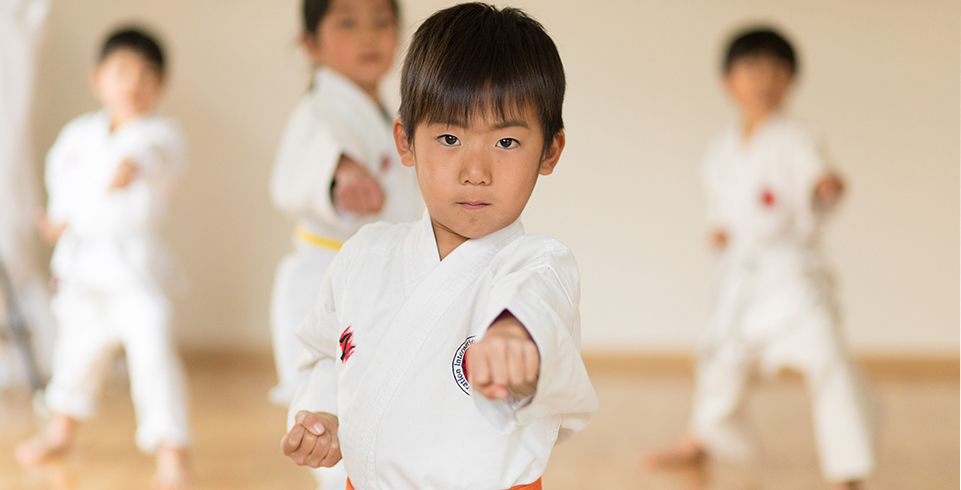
(476, 170)
(368, 34)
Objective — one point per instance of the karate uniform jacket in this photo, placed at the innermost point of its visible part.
(385, 346)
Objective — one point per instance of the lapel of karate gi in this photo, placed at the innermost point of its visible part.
(431, 287)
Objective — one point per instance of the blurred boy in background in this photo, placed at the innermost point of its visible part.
(108, 178)
(769, 190)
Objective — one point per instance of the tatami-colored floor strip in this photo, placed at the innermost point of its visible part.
(238, 434)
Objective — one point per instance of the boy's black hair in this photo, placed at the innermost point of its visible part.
(472, 58)
(760, 41)
(315, 11)
(137, 40)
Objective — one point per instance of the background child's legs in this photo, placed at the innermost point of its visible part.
(296, 286)
(724, 373)
(723, 378)
(842, 420)
(156, 377)
(82, 352)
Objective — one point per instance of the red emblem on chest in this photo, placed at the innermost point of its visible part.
(768, 199)
(346, 344)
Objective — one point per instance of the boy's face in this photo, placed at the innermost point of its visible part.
(477, 179)
(126, 84)
(356, 38)
(759, 83)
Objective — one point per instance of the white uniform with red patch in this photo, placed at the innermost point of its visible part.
(776, 305)
(384, 350)
(111, 267)
(335, 118)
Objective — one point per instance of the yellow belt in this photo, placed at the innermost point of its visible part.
(317, 240)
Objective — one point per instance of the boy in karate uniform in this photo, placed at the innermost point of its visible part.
(108, 178)
(444, 353)
(336, 169)
(769, 189)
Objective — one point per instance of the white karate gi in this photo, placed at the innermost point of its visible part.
(335, 118)
(21, 23)
(384, 350)
(776, 305)
(109, 266)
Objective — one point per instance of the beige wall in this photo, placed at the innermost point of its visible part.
(880, 82)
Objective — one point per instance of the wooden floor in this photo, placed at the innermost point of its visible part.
(238, 433)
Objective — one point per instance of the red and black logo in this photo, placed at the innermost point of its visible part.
(459, 366)
(346, 344)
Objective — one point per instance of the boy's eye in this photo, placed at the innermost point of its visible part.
(449, 140)
(347, 23)
(507, 143)
(384, 22)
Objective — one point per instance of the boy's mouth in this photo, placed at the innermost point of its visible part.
(473, 204)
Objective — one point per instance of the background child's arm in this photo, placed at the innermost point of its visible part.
(155, 156)
(156, 152)
(717, 233)
(717, 238)
(125, 174)
(315, 157)
(354, 189)
(819, 188)
(828, 192)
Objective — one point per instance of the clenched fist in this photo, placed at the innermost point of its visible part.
(505, 362)
(125, 174)
(312, 441)
(828, 192)
(355, 190)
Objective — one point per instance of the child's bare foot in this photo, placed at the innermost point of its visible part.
(686, 452)
(848, 485)
(172, 471)
(52, 441)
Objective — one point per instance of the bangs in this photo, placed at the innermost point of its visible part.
(459, 107)
(476, 61)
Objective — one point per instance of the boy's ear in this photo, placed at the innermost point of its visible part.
(553, 154)
(404, 148)
(93, 78)
(728, 82)
(312, 47)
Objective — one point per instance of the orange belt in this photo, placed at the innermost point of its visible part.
(530, 486)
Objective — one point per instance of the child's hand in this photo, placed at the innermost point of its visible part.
(718, 239)
(827, 192)
(50, 231)
(313, 440)
(506, 361)
(355, 190)
(125, 174)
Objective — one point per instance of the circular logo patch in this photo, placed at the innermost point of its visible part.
(459, 366)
